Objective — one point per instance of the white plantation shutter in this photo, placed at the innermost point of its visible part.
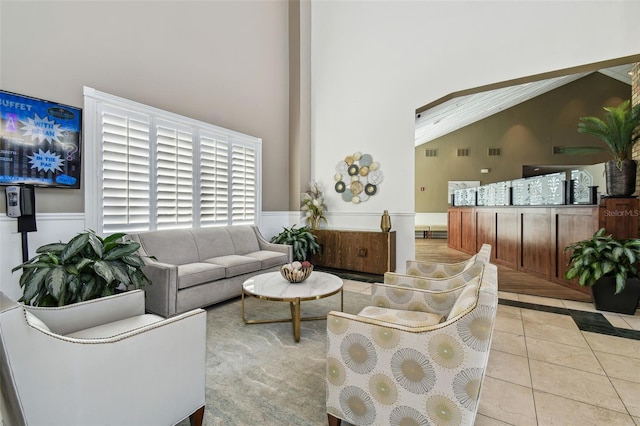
(174, 176)
(159, 170)
(214, 179)
(125, 170)
(243, 185)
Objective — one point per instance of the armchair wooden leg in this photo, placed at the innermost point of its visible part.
(333, 421)
(196, 418)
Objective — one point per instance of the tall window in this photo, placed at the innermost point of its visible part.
(149, 169)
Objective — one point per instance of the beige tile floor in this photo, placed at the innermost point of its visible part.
(543, 370)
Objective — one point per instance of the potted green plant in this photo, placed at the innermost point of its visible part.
(616, 129)
(610, 267)
(87, 267)
(303, 242)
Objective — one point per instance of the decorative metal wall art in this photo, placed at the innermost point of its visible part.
(357, 177)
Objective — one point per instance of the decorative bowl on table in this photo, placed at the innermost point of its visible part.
(296, 272)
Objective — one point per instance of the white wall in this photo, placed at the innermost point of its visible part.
(220, 62)
(52, 228)
(375, 63)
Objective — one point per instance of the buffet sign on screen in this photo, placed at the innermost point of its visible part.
(40, 142)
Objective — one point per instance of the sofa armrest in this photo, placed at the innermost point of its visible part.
(78, 316)
(266, 245)
(162, 292)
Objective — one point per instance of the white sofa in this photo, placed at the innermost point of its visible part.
(194, 268)
(100, 362)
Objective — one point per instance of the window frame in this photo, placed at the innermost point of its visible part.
(96, 101)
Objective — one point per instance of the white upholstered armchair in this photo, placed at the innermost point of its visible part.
(443, 270)
(391, 366)
(101, 362)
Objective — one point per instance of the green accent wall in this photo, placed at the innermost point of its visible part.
(526, 135)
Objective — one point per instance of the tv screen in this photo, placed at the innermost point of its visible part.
(40, 142)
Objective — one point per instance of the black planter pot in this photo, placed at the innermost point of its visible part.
(620, 182)
(605, 299)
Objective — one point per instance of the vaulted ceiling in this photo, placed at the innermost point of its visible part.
(453, 114)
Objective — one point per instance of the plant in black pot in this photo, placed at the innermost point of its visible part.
(610, 267)
(303, 242)
(616, 129)
(87, 267)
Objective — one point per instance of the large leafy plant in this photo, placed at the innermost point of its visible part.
(615, 129)
(87, 267)
(602, 255)
(302, 241)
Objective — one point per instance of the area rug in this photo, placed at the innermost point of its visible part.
(257, 374)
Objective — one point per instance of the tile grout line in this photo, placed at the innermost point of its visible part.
(526, 349)
(534, 390)
(609, 379)
(593, 322)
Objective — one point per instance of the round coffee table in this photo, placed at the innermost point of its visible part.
(273, 286)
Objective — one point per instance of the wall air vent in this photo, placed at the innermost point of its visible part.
(494, 152)
(558, 150)
(430, 152)
(463, 152)
(577, 150)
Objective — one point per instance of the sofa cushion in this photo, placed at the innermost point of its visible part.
(236, 265)
(174, 246)
(198, 273)
(213, 242)
(117, 327)
(244, 239)
(269, 258)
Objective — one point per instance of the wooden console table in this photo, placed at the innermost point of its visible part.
(363, 251)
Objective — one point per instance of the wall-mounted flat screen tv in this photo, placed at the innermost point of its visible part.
(40, 142)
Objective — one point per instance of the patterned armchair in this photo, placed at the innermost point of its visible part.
(443, 270)
(434, 284)
(391, 366)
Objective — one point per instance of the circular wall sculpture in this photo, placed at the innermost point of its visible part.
(357, 177)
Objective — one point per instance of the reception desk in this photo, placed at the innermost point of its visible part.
(532, 239)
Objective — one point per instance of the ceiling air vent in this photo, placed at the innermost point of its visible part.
(494, 152)
(430, 152)
(463, 152)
